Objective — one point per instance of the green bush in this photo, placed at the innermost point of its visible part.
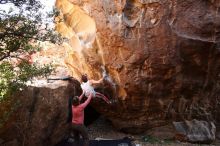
(20, 34)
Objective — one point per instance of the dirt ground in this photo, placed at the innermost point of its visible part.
(102, 129)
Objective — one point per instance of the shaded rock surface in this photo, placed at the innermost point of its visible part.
(41, 117)
(162, 57)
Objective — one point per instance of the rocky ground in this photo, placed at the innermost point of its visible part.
(102, 129)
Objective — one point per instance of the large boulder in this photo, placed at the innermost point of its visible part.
(162, 57)
(38, 115)
(195, 131)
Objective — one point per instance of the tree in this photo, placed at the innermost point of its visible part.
(20, 34)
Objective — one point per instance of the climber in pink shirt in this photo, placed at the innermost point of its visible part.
(77, 126)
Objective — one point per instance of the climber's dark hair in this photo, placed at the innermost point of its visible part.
(84, 78)
(75, 101)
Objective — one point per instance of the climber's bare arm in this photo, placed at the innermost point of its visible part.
(81, 96)
(96, 81)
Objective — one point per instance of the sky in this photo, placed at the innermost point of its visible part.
(47, 7)
(47, 3)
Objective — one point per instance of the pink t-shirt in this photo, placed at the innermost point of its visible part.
(78, 112)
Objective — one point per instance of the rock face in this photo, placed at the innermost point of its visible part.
(162, 57)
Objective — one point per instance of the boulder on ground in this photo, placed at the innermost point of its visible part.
(195, 131)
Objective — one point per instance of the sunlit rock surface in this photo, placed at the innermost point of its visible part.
(162, 56)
